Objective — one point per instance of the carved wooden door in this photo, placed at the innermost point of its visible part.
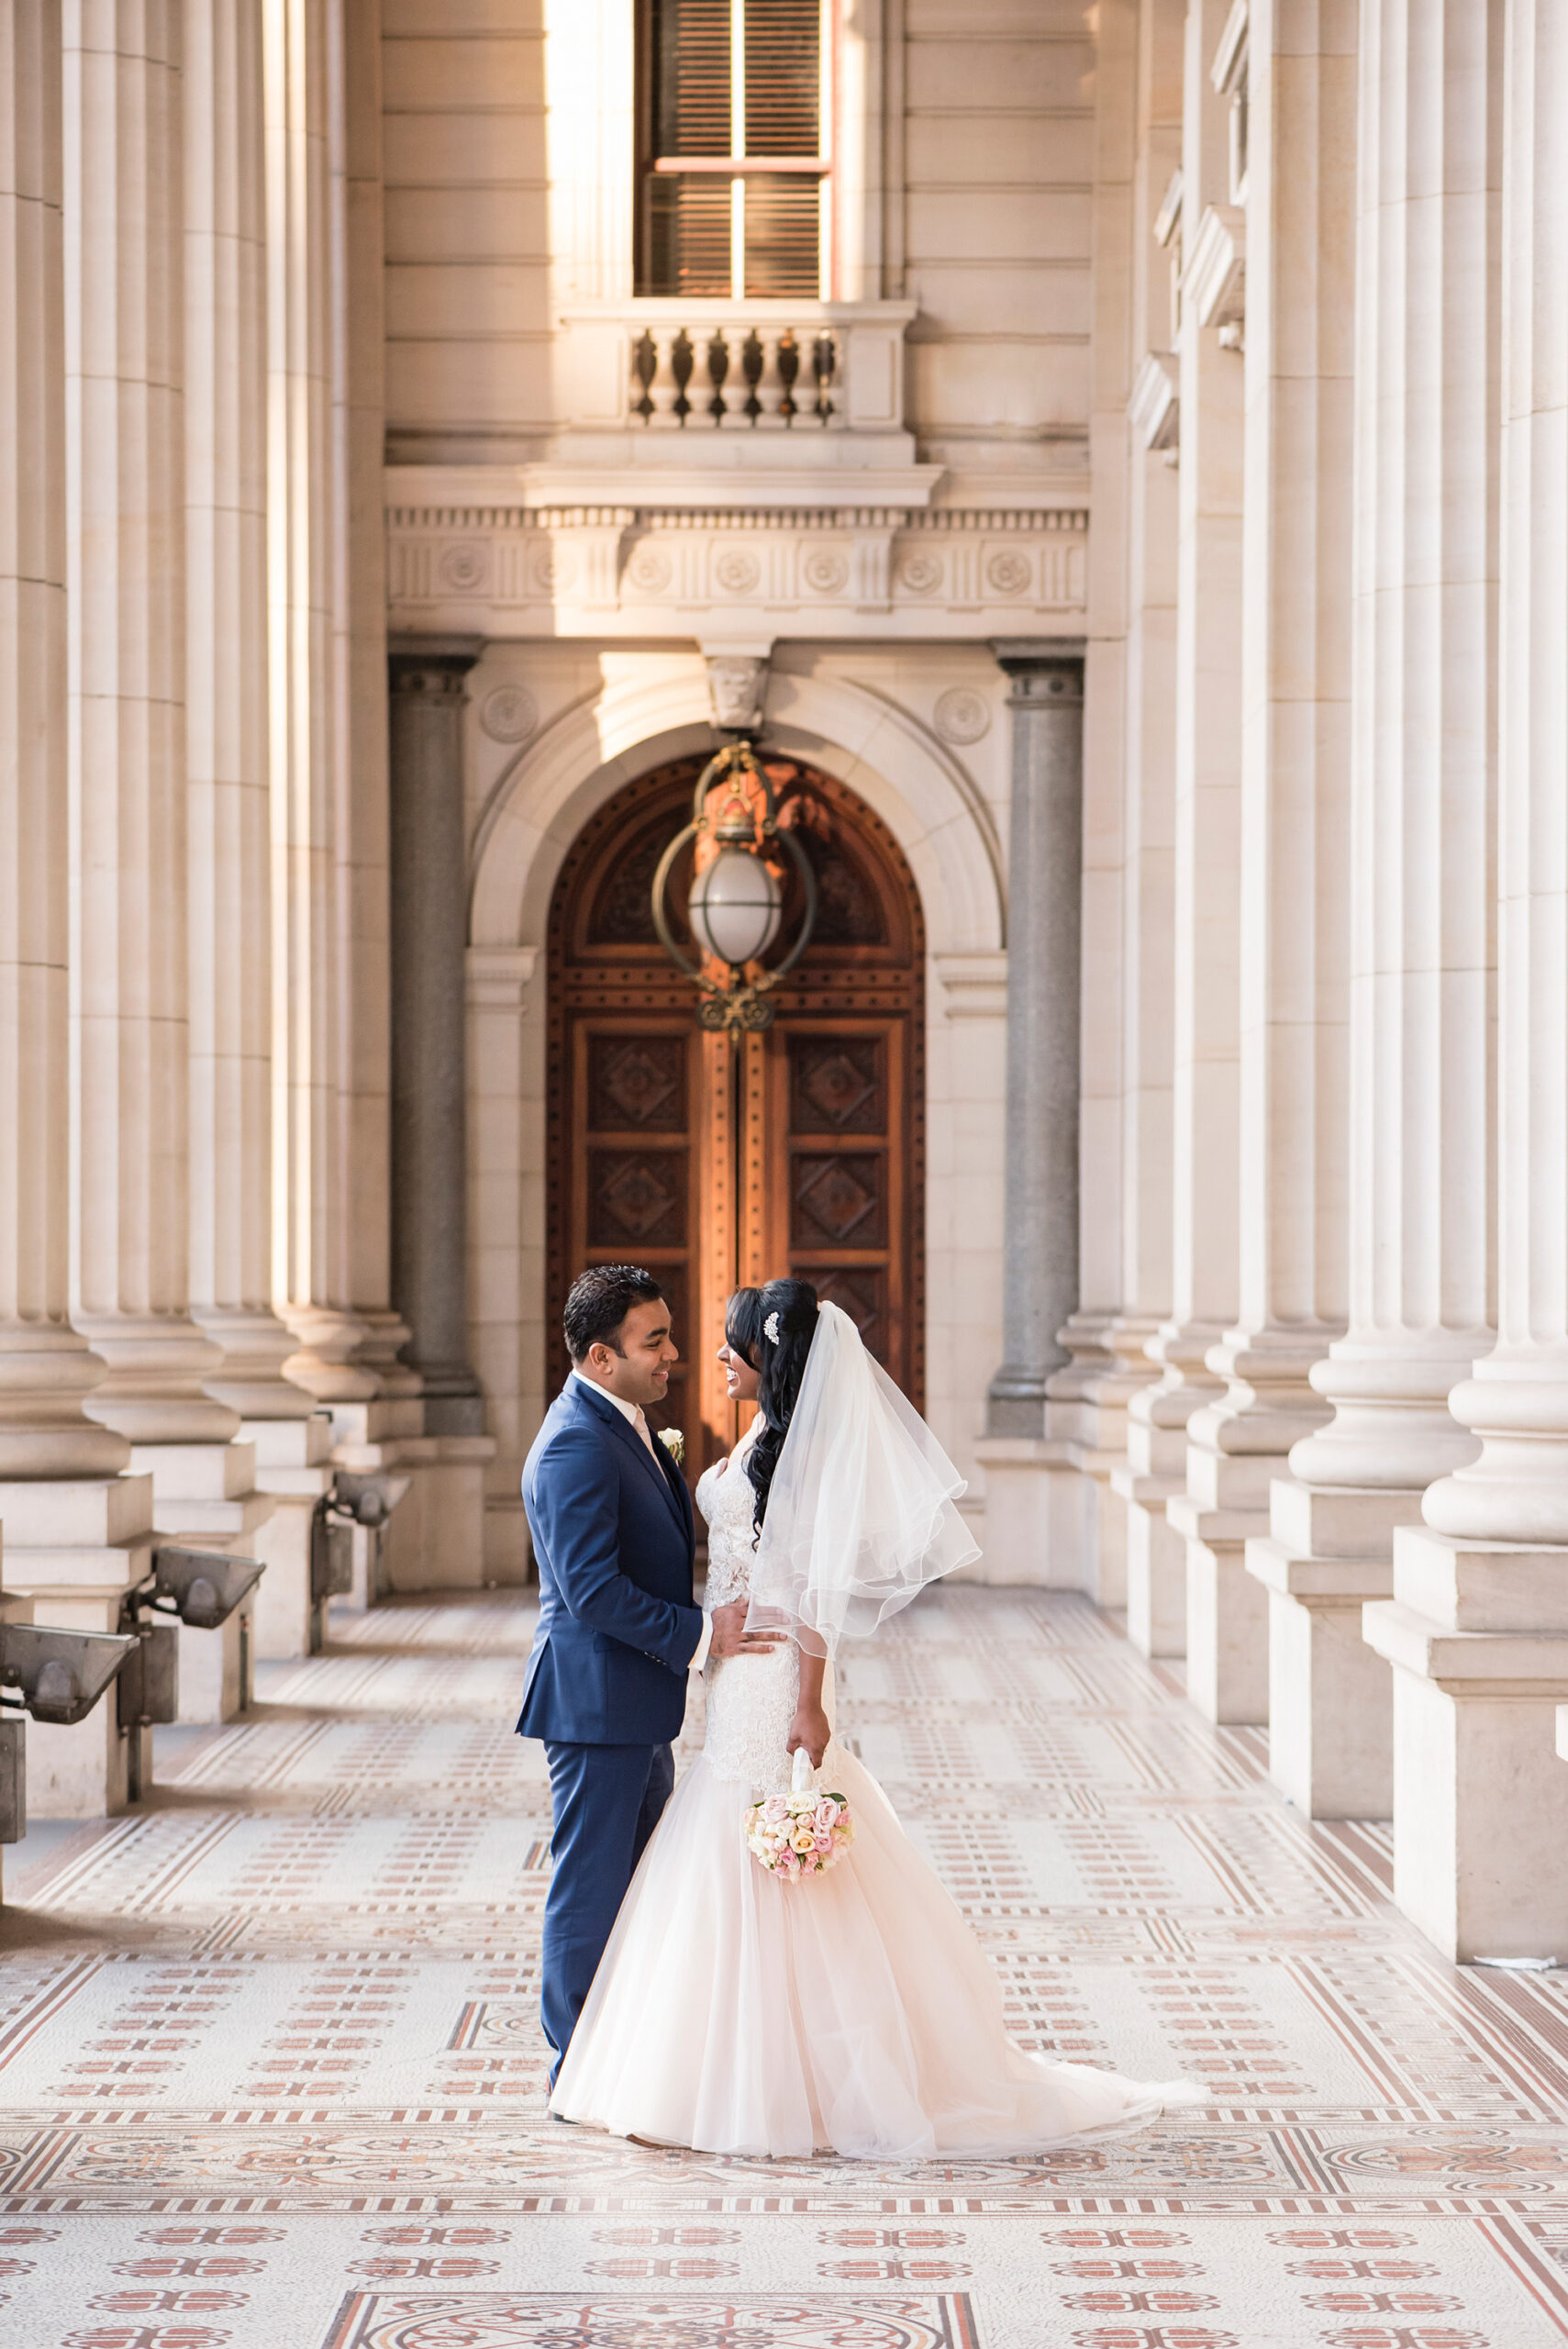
(799, 1150)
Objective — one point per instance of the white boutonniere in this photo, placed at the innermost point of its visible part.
(674, 1443)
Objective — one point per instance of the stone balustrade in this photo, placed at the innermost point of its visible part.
(767, 369)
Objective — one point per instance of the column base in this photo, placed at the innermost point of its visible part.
(1228, 1617)
(293, 1465)
(1156, 1566)
(206, 1494)
(1477, 1634)
(217, 1669)
(72, 1551)
(1330, 1706)
(435, 1539)
(1036, 1530)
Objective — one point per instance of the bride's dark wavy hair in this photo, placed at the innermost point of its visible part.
(782, 1366)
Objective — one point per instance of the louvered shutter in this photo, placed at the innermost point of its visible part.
(692, 110)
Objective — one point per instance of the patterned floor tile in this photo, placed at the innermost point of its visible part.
(271, 2077)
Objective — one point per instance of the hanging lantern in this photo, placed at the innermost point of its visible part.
(736, 905)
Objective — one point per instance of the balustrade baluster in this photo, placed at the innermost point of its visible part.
(752, 358)
(717, 369)
(824, 366)
(683, 358)
(645, 366)
(789, 369)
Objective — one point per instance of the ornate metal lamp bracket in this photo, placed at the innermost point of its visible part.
(737, 1006)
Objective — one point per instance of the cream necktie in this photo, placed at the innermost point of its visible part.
(642, 1430)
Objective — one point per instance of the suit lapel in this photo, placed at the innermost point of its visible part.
(622, 1429)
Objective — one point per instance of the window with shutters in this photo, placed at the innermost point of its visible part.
(735, 177)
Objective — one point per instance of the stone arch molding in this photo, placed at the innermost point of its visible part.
(544, 795)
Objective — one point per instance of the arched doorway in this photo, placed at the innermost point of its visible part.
(801, 1150)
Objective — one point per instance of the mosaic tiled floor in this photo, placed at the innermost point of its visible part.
(269, 2076)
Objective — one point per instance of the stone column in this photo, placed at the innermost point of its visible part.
(76, 1531)
(1033, 1512)
(1204, 1189)
(310, 1274)
(1156, 1560)
(429, 926)
(230, 842)
(1477, 1628)
(1106, 1336)
(359, 634)
(1422, 789)
(1296, 680)
(45, 1368)
(125, 460)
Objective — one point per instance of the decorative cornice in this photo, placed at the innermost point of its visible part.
(509, 567)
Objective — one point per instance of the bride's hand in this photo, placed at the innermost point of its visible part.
(810, 1729)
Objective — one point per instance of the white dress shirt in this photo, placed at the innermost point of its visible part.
(634, 1418)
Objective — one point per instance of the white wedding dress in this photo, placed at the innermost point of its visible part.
(854, 2012)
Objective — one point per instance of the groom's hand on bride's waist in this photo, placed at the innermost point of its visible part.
(730, 1636)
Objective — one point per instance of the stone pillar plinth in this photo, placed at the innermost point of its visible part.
(1477, 1629)
(1154, 1474)
(1477, 1636)
(1327, 1556)
(1422, 780)
(74, 1550)
(1035, 1533)
(295, 1469)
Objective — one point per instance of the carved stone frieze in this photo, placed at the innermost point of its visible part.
(519, 570)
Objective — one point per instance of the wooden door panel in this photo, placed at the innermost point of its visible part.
(837, 1166)
(796, 1149)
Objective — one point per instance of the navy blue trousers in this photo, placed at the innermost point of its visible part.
(606, 1800)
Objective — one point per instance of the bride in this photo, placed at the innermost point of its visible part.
(852, 2012)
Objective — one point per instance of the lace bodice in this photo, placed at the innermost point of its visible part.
(751, 1698)
(725, 1496)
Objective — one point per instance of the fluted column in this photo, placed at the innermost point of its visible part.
(1155, 1465)
(1477, 1629)
(124, 402)
(1035, 1518)
(230, 847)
(1204, 1157)
(1296, 681)
(1039, 1244)
(1422, 795)
(311, 1273)
(429, 1105)
(45, 1368)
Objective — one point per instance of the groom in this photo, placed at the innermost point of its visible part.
(615, 1541)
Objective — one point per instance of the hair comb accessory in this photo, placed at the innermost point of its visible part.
(771, 1329)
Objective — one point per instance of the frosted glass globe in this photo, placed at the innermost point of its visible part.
(734, 907)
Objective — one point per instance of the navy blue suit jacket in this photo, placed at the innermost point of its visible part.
(615, 1544)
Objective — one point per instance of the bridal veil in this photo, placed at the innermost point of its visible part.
(861, 1513)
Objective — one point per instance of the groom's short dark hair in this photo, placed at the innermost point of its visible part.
(599, 1302)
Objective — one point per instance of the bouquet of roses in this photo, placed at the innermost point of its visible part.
(800, 1833)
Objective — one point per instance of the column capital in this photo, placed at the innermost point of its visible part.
(1043, 670)
(431, 663)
